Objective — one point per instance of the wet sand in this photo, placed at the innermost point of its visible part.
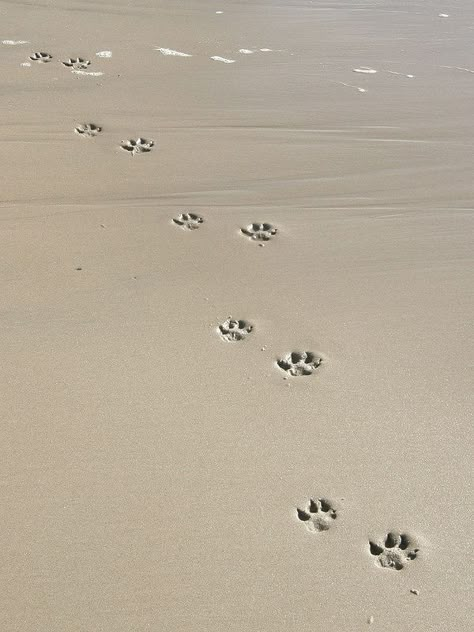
(156, 476)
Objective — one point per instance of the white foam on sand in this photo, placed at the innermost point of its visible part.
(104, 53)
(401, 74)
(366, 70)
(14, 42)
(223, 59)
(173, 53)
(459, 68)
(349, 85)
(246, 51)
(85, 72)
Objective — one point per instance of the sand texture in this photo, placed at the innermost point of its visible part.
(236, 303)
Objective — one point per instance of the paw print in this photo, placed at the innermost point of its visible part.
(42, 58)
(297, 363)
(189, 221)
(76, 63)
(395, 552)
(234, 330)
(88, 129)
(318, 515)
(259, 232)
(138, 146)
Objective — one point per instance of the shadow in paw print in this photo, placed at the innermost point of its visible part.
(88, 130)
(188, 221)
(138, 146)
(234, 330)
(395, 551)
(259, 232)
(299, 363)
(42, 58)
(76, 63)
(318, 515)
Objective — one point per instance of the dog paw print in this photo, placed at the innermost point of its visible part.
(41, 58)
(318, 515)
(76, 63)
(188, 221)
(88, 130)
(299, 363)
(396, 550)
(138, 146)
(234, 330)
(259, 232)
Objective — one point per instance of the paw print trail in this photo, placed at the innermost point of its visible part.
(138, 146)
(318, 515)
(188, 221)
(234, 330)
(42, 58)
(76, 63)
(299, 363)
(259, 232)
(395, 552)
(87, 130)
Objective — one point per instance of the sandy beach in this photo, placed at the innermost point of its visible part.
(236, 302)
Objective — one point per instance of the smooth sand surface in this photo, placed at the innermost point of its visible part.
(151, 472)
